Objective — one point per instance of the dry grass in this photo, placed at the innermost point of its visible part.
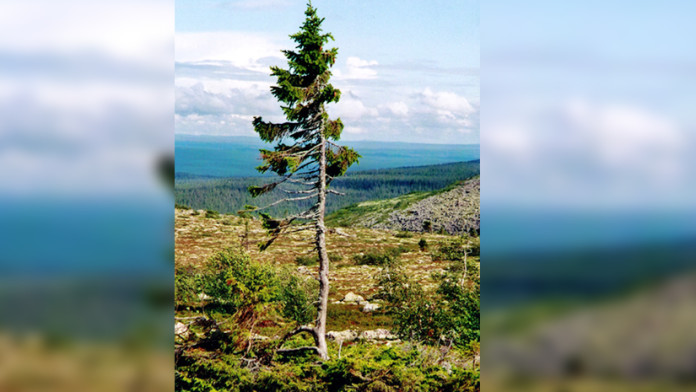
(198, 238)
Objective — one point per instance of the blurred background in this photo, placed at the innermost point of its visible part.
(588, 198)
(86, 224)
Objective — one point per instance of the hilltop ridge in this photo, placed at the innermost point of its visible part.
(454, 209)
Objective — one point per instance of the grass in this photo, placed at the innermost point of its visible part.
(342, 317)
(198, 238)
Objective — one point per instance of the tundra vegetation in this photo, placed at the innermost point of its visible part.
(234, 306)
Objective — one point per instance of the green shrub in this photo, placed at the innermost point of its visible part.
(181, 206)
(187, 286)
(455, 250)
(422, 244)
(385, 257)
(335, 257)
(234, 281)
(362, 367)
(403, 234)
(306, 260)
(452, 312)
(297, 297)
(212, 214)
(427, 226)
(195, 213)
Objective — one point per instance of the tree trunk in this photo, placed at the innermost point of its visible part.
(320, 325)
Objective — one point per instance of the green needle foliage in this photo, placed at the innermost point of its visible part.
(305, 154)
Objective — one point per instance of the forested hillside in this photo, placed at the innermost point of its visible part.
(230, 194)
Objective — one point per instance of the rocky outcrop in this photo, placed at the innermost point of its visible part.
(369, 335)
(455, 211)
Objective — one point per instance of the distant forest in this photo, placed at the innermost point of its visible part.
(228, 195)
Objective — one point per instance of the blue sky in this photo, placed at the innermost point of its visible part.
(408, 70)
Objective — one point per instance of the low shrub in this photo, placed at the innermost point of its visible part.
(403, 234)
(455, 250)
(307, 260)
(384, 257)
(362, 367)
(452, 312)
(233, 282)
(212, 214)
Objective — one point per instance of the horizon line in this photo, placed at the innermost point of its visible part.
(362, 140)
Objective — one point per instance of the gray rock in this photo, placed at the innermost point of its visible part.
(181, 330)
(204, 296)
(377, 334)
(353, 298)
(368, 307)
(344, 336)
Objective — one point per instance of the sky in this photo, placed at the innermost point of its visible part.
(408, 70)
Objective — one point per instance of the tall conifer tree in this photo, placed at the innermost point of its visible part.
(305, 154)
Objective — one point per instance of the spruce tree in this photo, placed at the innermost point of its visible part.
(305, 157)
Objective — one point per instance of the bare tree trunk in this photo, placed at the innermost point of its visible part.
(320, 325)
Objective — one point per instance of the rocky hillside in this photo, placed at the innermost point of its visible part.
(454, 210)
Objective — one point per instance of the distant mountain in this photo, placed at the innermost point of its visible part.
(226, 157)
(454, 209)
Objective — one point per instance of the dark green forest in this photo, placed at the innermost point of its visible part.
(229, 195)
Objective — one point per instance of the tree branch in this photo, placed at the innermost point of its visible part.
(298, 350)
(287, 199)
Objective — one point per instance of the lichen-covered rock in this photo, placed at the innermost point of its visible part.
(181, 330)
(456, 211)
(204, 297)
(344, 336)
(353, 298)
(377, 334)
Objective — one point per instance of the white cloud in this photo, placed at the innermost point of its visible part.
(357, 68)
(351, 107)
(241, 49)
(398, 108)
(447, 103)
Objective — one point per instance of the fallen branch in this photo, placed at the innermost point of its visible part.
(298, 350)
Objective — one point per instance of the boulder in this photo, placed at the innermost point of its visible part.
(377, 334)
(353, 298)
(181, 330)
(344, 336)
(368, 307)
(204, 296)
